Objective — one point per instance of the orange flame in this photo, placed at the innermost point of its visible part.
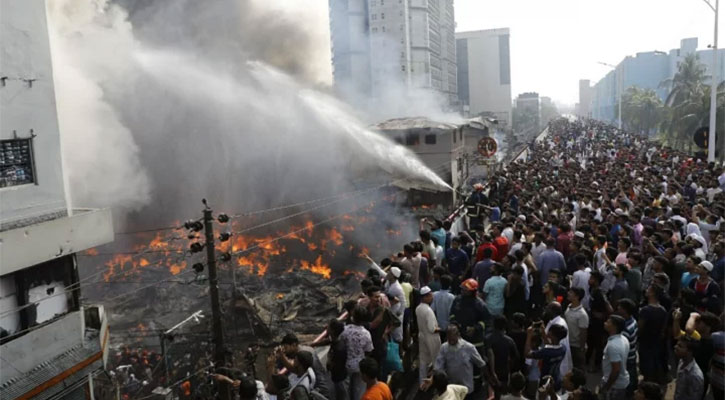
(318, 267)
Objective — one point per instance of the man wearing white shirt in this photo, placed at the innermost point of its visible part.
(554, 310)
(538, 246)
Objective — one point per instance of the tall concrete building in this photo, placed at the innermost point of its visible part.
(583, 108)
(51, 345)
(484, 73)
(647, 70)
(383, 45)
(528, 107)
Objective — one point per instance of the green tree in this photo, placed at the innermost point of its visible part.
(687, 108)
(641, 109)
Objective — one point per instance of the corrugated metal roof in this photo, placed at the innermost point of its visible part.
(51, 368)
(413, 123)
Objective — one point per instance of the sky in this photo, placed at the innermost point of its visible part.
(554, 43)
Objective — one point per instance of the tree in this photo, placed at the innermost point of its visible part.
(641, 109)
(686, 109)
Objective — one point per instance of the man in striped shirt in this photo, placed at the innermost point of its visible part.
(626, 309)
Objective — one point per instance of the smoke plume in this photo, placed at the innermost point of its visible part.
(175, 100)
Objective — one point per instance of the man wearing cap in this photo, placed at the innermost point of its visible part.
(395, 293)
(429, 341)
(707, 292)
(470, 313)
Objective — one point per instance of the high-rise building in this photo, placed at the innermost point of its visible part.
(647, 70)
(528, 110)
(585, 98)
(384, 45)
(51, 345)
(484, 73)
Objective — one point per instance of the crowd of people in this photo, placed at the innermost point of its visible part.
(593, 269)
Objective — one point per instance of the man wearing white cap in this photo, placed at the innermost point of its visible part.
(395, 292)
(429, 341)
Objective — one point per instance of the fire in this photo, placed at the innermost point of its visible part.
(92, 252)
(335, 236)
(158, 243)
(255, 254)
(393, 232)
(175, 269)
(318, 267)
(280, 296)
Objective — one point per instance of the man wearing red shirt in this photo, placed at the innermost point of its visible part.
(486, 244)
(500, 242)
(564, 240)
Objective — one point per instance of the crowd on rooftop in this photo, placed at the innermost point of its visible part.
(592, 269)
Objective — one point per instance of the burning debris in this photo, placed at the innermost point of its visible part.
(277, 280)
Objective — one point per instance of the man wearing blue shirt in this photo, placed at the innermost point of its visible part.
(615, 377)
(456, 259)
(494, 290)
(442, 301)
(550, 259)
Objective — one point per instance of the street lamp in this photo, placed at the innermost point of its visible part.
(713, 88)
(620, 84)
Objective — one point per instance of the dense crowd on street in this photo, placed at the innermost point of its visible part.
(593, 269)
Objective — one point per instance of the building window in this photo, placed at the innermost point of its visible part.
(374, 17)
(36, 295)
(402, 68)
(383, 29)
(375, 30)
(382, 2)
(16, 162)
(412, 139)
(399, 140)
(382, 15)
(430, 139)
(373, 3)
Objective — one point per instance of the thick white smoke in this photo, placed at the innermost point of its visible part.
(89, 42)
(181, 103)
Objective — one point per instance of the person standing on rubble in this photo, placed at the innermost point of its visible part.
(395, 294)
(410, 263)
(429, 341)
(381, 322)
(358, 342)
(290, 346)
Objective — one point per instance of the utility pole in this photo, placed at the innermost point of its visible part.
(216, 312)
(711, 138)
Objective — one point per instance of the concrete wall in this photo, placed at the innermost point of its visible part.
(27, 102)
(350, 47)
(34, 244)
(379, 44)
(488, 72)
(26, 352)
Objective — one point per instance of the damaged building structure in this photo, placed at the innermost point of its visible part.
(449, 149)
(51, 345)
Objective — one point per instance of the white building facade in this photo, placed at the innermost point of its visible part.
(382, 44)
(51, 346)
(484, 73)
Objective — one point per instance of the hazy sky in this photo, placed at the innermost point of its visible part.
(554, 43)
